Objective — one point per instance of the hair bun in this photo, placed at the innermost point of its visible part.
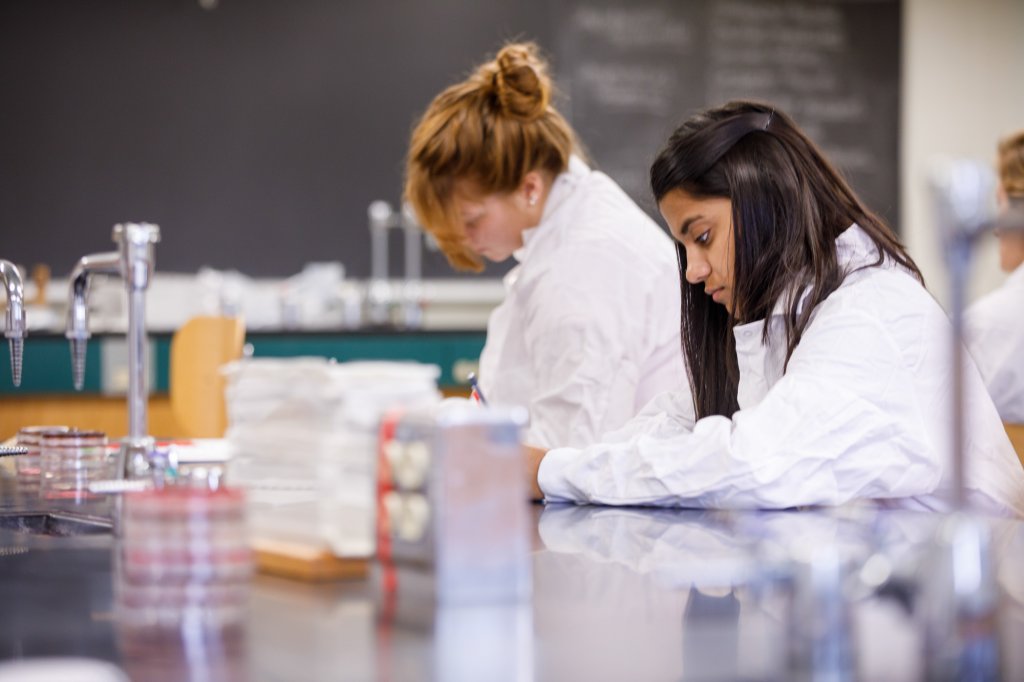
(521, 83)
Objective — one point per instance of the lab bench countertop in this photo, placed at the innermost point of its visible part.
(618, 594)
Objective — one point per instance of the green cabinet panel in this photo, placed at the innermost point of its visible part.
(47, 359)
(443, 350)
(47, 367)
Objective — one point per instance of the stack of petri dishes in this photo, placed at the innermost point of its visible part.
(27, 466)
(183, 559)
(69, 460)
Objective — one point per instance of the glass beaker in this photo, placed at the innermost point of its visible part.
(183, 557)
(69, 460)
(27, 465)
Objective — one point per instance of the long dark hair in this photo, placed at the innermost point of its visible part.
(788, 207)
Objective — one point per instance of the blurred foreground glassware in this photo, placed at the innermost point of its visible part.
(453, 561)
(27, 466)
(178, 654)
(182, 569)
(962, 618)
(452, 505)
(183, 560)
(69, 460)
(821, 641)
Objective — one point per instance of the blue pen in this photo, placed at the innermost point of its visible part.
(477, 393)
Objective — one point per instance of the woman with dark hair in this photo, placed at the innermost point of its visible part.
(819, 364)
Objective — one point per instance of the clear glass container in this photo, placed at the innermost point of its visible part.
(27, 465)
(183, 556)
(70, 460)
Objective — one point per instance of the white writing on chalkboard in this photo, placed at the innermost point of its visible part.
(634, 69)
(632, 27)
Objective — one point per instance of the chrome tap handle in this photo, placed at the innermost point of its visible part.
(77, 329)
(16, 328)
(136, 242)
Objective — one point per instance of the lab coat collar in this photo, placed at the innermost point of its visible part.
(854, 249)
(562, 188)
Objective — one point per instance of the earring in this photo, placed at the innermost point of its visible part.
(532, 200)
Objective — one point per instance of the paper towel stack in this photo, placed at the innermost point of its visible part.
(304, 436)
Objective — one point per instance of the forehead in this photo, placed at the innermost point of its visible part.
(679, 206)
(677, 202)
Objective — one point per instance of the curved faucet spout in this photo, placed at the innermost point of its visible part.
(16, 329)
(77, 331)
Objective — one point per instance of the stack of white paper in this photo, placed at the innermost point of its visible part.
(304, 434)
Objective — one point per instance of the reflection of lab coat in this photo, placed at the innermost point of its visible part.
(589, 329)
(994, 327)
(773, 561)
(863, 411)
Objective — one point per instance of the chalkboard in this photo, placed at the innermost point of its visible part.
(634, 69)
(256, 133)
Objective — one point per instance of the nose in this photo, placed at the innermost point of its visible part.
(697, 269)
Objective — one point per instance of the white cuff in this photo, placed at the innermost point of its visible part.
(551, 475)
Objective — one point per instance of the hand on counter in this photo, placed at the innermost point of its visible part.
(533, 459)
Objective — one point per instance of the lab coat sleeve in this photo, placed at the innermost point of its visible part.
(582, 334)
(993, 342)
(668, 413)
(842, 423)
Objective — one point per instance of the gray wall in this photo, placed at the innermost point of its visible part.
(256, 134)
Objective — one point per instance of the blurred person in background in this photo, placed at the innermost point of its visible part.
(994, 325)
(588, 331)
(818, 362)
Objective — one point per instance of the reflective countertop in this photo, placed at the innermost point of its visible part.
(618, 593)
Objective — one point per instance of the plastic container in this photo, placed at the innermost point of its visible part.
(70, 460)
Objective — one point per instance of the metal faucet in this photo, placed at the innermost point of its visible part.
(77, 331)
(16, 330)
(380, 296)
(134, 262)
(412, 293)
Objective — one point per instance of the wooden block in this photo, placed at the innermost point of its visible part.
(198, 351)
(300, 562)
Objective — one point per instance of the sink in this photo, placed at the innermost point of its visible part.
(53, 523)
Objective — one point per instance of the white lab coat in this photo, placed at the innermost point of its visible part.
(588, 332)
(994, 328)
(863, 411)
